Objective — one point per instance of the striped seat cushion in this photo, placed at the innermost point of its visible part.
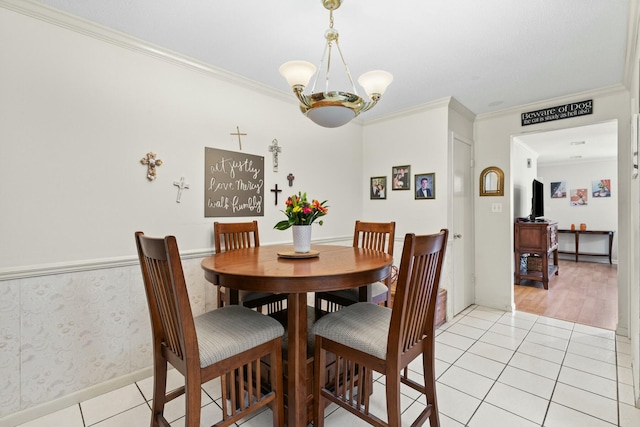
(230, 330)
(363, 326)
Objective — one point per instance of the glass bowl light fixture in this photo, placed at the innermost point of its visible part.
(333, 108)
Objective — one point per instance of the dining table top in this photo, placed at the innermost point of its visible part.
(262, 269)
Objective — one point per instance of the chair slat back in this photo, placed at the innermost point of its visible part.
(378, 236)
(166, 290)
(413, 315)
(236, 235)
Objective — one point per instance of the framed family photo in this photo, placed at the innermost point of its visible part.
(401, 176)
(425, 186)
(378, 188)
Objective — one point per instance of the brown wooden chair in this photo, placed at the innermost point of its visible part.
(227, 342)
(366, 337)
(239, 235)
(378, 236)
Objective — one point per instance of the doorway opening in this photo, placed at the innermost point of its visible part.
(572, 161)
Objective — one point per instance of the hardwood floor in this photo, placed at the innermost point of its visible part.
(583, 292)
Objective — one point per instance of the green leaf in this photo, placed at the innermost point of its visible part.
(282, 225)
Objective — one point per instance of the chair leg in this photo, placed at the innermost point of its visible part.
(278, 382)
(393, 399)
(319, 380)
(430, 388)
(159, 388)
(193, 400)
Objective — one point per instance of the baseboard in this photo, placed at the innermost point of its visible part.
(74, 398)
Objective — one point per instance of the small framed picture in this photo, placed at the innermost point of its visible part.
(601, 188)
(401, 176)
(425, 186)
(378, 187)
(558, 190)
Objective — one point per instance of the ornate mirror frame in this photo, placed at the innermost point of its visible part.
(492, 182)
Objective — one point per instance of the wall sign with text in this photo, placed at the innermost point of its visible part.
(233, 184)
(560, 112)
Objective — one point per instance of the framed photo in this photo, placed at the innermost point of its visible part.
(579, 197)
(378, 188)
(401, 176)
(558, 190)
(426, 186)
(601, 188)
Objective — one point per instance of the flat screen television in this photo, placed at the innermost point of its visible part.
(537, 200)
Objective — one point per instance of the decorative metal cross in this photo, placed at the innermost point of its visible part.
(276, 191)
(273, 148)
(182, 185)
(238, 133)
(151, 162)
(290, 177)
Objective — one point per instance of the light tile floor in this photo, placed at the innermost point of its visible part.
(494, 369)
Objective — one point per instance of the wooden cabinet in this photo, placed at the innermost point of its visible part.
(536, 239)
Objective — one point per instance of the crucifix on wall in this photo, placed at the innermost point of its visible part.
(275, 149)
(182, 185)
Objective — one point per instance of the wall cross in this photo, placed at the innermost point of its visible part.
(238, 133)
(151, 162)
(273, 148)
(290, 178)
(182, 185)
(276, 191)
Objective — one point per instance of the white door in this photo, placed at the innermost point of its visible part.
(462, 263)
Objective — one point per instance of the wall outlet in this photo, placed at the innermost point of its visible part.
(496, 207)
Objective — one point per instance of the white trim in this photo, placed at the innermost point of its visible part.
(37, 270)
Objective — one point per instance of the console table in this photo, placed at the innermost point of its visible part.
(536, 238)
(577, 234)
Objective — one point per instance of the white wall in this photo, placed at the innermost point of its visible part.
(421, 141)
(598, 214)
(78, 114)
(78, 110)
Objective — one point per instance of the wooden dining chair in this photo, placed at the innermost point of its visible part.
(239, 235)
(366, 337)
(378, 236)
(226, 342)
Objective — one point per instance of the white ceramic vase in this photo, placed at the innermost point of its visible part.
(301, 238)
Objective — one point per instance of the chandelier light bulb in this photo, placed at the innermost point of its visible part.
(297, 73)
(375, 82)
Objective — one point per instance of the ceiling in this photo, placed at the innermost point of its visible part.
(489, 55)
(574, 145)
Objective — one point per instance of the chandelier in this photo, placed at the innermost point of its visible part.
(333, 108)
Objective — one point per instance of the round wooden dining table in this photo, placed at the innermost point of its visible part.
(261, 269)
